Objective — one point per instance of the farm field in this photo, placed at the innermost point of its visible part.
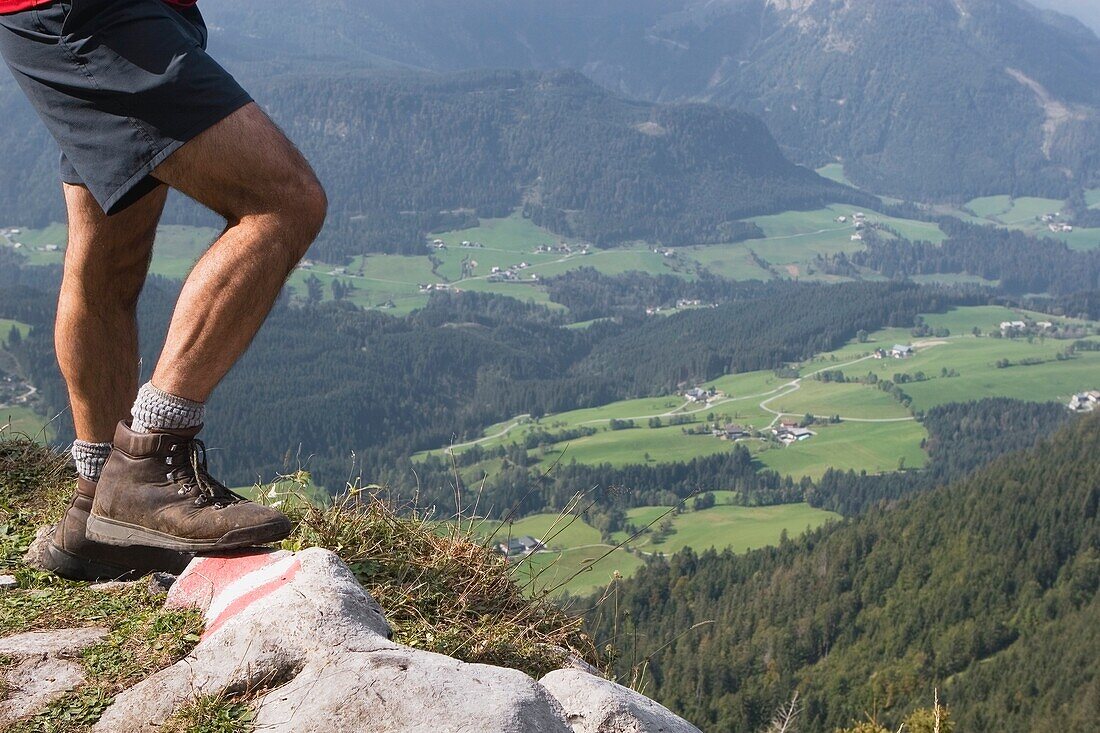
(835, 172)
(877, 433)
(794, 238)
(871, 447)
(739, 528)
(1025, 213)
(823, 399)
(572, 563)
(7, 324)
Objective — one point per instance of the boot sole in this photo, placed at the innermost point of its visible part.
(74, 567)
(114, 532)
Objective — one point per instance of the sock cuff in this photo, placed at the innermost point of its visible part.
(90, 458)
(156, 409)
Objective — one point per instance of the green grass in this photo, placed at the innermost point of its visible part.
(989, 207)
(1092, 198)
(871, 447)
(1025, 214)
(850, 400)
(834, 172)
(793, 239)
(979, 376)
(21, 420)
(7, 324)
(961, 321)
(576, 571)
(733, 261)
(953, 278)
(623, 447)
(578, 565)
(554, 530)
(739, 528)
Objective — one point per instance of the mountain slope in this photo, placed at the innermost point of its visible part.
(932, 99)
(983, 589)
(404, 153)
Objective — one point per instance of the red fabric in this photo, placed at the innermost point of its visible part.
(14, 6)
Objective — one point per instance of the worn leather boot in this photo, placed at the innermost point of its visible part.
(155, 490)
(72, 555)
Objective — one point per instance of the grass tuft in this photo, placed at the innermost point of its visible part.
(211, 714)
(441, 592)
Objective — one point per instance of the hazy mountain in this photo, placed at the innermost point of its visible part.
(922, 99)
(1087, 11)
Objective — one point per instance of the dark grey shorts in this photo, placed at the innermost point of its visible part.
(121, 85)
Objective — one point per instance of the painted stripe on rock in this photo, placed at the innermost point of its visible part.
(233, 601)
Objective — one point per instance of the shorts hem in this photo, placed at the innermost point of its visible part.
(121, 198)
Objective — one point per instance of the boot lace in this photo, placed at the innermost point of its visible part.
(194, 478)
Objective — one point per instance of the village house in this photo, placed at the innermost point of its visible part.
(519, 546)
(1010, 326)
(900, 351)
(698, 394)
(791, 433)
(733, 432)
(1085, 401)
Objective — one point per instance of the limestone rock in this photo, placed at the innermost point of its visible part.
(36, 553)
(43, 670)
(595, 705)
(8, 582)
(301, 626)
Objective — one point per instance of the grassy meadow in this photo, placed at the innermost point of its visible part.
(578, 561)
(1025, 213)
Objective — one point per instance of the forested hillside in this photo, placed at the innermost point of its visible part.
(346, 390)
(404, 154)
(932, 99)
(985, 589)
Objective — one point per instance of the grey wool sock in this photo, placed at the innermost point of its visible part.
(89, 458)
(156, 410)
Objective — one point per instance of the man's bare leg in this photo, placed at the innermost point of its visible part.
(155, 489)
(96, 334)
(246, 170)
(106, 262)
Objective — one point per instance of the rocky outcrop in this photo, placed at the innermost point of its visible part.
(596, 705)
(298, 637)
(44, 668)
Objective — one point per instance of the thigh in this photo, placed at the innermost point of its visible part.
(120, 85)
(239, 166)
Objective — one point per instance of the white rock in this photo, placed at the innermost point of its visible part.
(595, 705)
(8, 582)
(36, 553)
(302, 626)
(42, 673)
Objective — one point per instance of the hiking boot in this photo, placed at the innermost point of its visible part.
(72, 555)
(155, 490)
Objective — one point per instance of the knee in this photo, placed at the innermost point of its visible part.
(303, 207)
(312, 207)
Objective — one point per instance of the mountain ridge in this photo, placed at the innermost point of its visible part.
(914, 98)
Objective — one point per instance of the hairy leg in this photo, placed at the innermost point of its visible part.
(95, 336)
(246, 170)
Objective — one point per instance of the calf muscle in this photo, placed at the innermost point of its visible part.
(245, 169)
